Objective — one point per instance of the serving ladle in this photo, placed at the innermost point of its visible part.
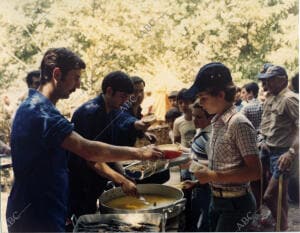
(141, 198)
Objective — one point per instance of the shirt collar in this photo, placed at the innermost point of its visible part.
(37, 97)
(207, 129)
(225, 116)
(282, 92)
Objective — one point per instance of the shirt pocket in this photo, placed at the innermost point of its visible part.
(277, 109)
(225, 150)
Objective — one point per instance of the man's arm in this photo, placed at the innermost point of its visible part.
(101, 152)
(104, 170)
(285, 160)
(252, 170)
(176, 132)
(292, 110)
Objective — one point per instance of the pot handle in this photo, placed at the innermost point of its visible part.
(73, 220)
(109, 185)
(180, 204)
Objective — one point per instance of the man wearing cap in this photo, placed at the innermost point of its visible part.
(233, 156)
(263, 128)
(172, 97)
(281, 138)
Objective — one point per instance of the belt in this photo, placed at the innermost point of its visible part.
(218, 192)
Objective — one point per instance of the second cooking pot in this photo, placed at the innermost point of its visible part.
(169, 210)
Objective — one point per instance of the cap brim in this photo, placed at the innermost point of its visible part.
(264, 76)
(191, 93)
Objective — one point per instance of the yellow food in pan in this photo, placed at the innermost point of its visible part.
(131, 203)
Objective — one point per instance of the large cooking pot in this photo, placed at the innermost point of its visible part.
(169, 210)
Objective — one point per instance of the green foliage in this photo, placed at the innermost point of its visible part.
(153, 39)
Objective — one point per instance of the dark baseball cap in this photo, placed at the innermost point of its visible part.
(213, 74)
(264, 69)
(273, 71)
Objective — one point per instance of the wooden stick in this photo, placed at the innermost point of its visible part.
(279, 203)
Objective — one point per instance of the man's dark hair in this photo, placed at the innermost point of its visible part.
(31, 75)
(295, 83)
(172, 114)
(229, 90)
(137, 80)
(181, 96)
(252, 87)
(62, 58)
(118, 81)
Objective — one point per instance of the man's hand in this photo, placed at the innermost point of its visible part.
(185, 165)
(140, 125)
(129, 188)
(204, 175)
(189, 184)
(285, 161)
(151, 153)
(150, 137)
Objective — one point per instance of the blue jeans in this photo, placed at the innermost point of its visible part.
(201, 196)
(275, 153)
(231, 214)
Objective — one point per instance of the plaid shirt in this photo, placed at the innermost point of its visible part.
(253, 111)
(233, 137)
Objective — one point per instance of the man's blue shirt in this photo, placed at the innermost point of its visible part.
(92, 121)
(40, 188)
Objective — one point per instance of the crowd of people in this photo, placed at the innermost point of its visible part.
(245, 145)
(249, 138)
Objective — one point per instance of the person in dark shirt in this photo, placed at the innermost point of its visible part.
(98, 119)
(40, 139)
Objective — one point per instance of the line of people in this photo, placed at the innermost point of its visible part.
(250, 145)
(230, 142)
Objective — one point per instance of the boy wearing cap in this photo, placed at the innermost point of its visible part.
(282, 139)
(172, 97)
(233, 156)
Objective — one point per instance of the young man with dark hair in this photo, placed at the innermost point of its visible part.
(130, 126)
(251, 90)
(237, 99)
(233, 156)
(39, 197)
(170, 117)
(98, 120)
(253, 109)
(184, 128)
(33, 79)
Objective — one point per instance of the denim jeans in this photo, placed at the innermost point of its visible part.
(231, 214)
(275, 153)
(201, 196)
